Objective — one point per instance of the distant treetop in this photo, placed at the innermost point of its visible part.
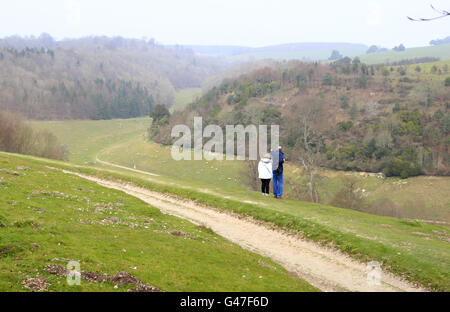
(335, 55)
(400, 48)
(440, 41)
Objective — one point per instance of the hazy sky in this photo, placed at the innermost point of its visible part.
(230, 22)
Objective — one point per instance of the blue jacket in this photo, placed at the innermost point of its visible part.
(278, 168)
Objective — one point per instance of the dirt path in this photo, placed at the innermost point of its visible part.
(125, 168)
(324, 268)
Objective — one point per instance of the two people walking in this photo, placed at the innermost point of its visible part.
(271, 166)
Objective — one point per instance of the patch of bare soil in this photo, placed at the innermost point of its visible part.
(93, 277)
(22, 168)
(144, 288)
(15, 173)
(56, 269)
(120, 279)
(36, 283)
(182, 234)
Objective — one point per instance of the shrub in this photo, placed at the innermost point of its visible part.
(447, 82)
(271, 116)
(344, 101)
(401, 168)
(345, 125)
(401, 71)
(160, 115)
(17, 137)
(410, 123)
(327, 80)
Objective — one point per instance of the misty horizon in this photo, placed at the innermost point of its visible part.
(248, 24)
(193, 44)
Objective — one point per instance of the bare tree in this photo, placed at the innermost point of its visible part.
(249, 174)
(309, 154)
(441, 15)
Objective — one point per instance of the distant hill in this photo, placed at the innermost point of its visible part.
(95, 77)
(441, 51)
(440, 41)
(214, 50)
(313, 51)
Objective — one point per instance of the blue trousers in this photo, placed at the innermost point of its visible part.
(278, 185)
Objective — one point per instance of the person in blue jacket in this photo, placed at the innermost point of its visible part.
(277, 166)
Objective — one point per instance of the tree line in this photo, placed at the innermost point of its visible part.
(18, 137)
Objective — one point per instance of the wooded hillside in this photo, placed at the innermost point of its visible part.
(95, 78)
(344, 115)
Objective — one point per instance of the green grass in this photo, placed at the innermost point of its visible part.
(152, 157)
(184, 97)
(123, 142)
(440, 51)
(311, 54)
(64, 215)
(422, 197)
(426, 73)
(85, 138)
(415, 250)
(416, 198)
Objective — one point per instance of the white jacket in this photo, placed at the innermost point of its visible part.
(265, 168)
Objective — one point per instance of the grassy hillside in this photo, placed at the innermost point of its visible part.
(184, 97)
(47, 216)
(440, 51)
(85, 138)
(313, 51)
(412, 249)
(422, 197)
(414, 198)
(417, 198)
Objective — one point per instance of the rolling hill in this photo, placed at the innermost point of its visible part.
(411, 248)
(312, 51)
(439, 51)
(364, 118)
(48, 217)
(96, 77)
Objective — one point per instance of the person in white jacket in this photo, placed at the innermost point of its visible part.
(265, 173)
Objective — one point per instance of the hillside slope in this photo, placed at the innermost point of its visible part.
(122, 142)
(411, 249)
(95, 78)
(439, 51)
(48, 217)
(358, 117)
(313, 51)
(325, 269)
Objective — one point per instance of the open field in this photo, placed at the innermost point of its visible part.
(47, 216)
(422, 197)
(319, 52)
(85, 138)
(184, 97)
(440, 51)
